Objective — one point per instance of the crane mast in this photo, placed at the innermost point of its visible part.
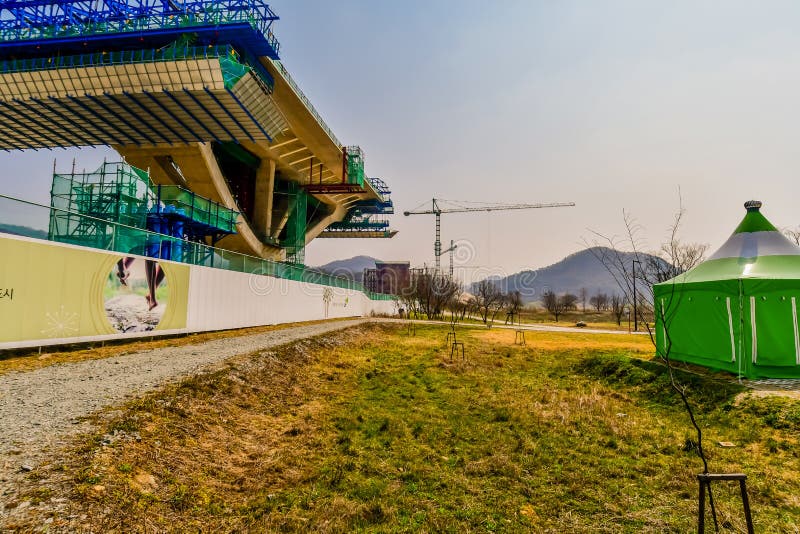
(467, 207)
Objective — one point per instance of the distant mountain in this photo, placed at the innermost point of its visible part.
(578, 270)
(352, 268)
(26, 231)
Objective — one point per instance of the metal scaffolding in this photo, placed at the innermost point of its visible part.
(42, 20)
(367, 218)
(117, 207)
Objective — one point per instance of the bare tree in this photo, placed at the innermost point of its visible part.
(672, 259)
(498, 305)
(472, 308)
(457, 306)
(487, 298)
(635, 272)
(409, 302)
(583, 295)
(599, 301)
(553, 304)
(430, 292)
(793, 234)
(666, 312)
(513, 306)
(570, 301)
(618, 307)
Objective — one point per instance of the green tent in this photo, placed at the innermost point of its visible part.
(737, 311)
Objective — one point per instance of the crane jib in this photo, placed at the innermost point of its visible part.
(465, 207)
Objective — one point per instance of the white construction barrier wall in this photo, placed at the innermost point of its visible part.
(53, 293)
(221, 299)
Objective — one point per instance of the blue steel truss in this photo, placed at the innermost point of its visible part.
(368, 216)
(41, 20)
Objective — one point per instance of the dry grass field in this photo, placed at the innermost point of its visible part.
(371, 429)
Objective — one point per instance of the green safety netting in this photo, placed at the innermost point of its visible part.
(86, 204)
(295, 233)
(22, 218)
(232, 70)
(355, 166)
(197, 208)
(114, 193)
(737, 311)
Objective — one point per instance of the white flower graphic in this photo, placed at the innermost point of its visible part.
(60, 323)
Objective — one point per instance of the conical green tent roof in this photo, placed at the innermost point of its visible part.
(755, 250)
(737, 310)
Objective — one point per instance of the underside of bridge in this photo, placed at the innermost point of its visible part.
(195, 93)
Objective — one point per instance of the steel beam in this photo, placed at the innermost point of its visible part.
(92, 114)
(19, 142)
(154, 116)
(213, 117)
(71, 122)
(23, 127)
(122, 119)
(132, 114)
(252, 118)
(226, 110)
(189, 113)
(174, 117)
(38, 123)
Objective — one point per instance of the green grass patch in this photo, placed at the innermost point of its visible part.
(373, 430)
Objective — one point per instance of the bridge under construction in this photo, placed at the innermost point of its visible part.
(226, 172)
(195, 93)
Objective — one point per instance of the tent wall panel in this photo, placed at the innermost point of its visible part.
(698, 327)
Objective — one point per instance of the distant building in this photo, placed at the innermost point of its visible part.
(388, 277)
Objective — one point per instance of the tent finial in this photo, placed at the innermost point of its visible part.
(752, 205)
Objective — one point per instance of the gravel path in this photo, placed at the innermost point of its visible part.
(43, 408)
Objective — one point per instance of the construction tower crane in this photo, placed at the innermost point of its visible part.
(452, 249)
(439, 206)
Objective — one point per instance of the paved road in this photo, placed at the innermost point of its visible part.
(534, 327)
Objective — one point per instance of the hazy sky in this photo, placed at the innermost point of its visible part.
(612, 105)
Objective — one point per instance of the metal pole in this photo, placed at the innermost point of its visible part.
(437, 245)
(635, 314)
(452, 248)
(344, 165)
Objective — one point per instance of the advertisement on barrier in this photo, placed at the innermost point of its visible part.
(57, 293)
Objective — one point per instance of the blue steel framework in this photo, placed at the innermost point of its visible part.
(366, 216)
(26, 24)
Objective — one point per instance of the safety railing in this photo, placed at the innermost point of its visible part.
(303, 98)
(28, 219)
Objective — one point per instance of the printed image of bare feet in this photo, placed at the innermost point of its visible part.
(135, 295)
